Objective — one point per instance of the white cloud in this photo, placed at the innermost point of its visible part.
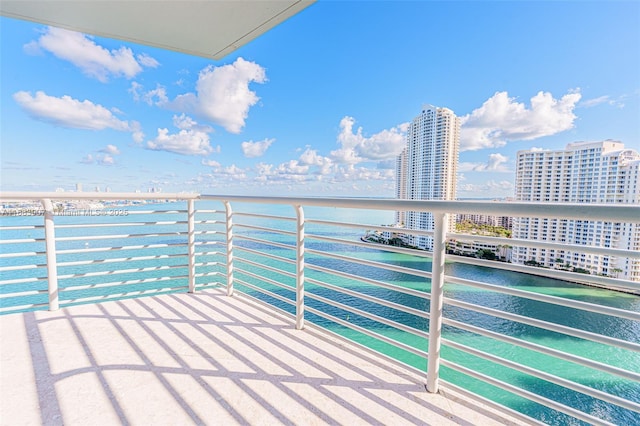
(496, 163)
(72, 113)
(312, 167)
(185, 122)
(264, 172)
(111, 150)
(387, 164)
(350, 173)
(286, 172)
(223, 95)
(157, 96)
(588, 103)
(253, 149)
(356, 148)
(136, 89)
(95, 61)
(147, 61)
(232, 172)
(222, 177)
(501, 119)
(292, 167)
(87, 159)
(100, 159)
(606, 99)
(185, 142)
(310, 157)
(192, 139)
(106, 160)
(137, 134)
(504, 187)
(210, 163)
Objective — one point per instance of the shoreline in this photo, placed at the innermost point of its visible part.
(532, 273)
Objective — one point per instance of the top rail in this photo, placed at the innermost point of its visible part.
(604, 212)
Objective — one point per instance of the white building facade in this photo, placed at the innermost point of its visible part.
(485, 219)
(401, 184)
(585, 172)
(426, 169)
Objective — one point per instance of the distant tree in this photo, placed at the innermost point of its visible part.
(486, 254)
(395, 241)
(468, 227)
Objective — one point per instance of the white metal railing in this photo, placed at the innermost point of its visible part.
(286, 264)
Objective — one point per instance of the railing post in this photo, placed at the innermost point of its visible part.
(50, 248)
(229, 223)
(299, 268)
(191, 244)
(437, 291)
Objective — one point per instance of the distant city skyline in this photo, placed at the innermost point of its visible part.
(319, 105)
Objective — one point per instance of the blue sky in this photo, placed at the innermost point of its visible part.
(318, 105)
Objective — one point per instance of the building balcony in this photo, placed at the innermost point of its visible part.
(206, 358)
(267, 310)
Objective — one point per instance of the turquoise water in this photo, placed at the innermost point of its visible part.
(173, 245)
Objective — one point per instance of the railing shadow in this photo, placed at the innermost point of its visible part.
(207, 358)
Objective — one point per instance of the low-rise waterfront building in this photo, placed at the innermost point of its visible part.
(484, 219)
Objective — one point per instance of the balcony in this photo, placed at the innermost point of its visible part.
(198, 358)
(271, 310)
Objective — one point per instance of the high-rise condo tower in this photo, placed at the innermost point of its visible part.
(426, 169)
(585, 172)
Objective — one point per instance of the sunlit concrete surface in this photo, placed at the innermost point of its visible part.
(204, 358)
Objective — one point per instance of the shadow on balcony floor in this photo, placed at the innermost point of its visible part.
(204, 358)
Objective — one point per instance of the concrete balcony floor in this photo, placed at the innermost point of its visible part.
(204, 358)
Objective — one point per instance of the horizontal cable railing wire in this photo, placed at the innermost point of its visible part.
(546, 325)
(575, 304)
(531, 396)
(593, 280)
(377, 283)
(23, 266)
(547, 245)
(587, 307)
(372, 263)
(366, 314)
(545, 350)
(23, 240)
(603, 396)
(365, 331)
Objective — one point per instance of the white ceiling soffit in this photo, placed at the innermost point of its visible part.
(208, 28)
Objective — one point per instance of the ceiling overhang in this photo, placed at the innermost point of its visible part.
(207, 28)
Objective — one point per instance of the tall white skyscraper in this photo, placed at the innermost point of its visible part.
(585, 172)
(426, 169)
